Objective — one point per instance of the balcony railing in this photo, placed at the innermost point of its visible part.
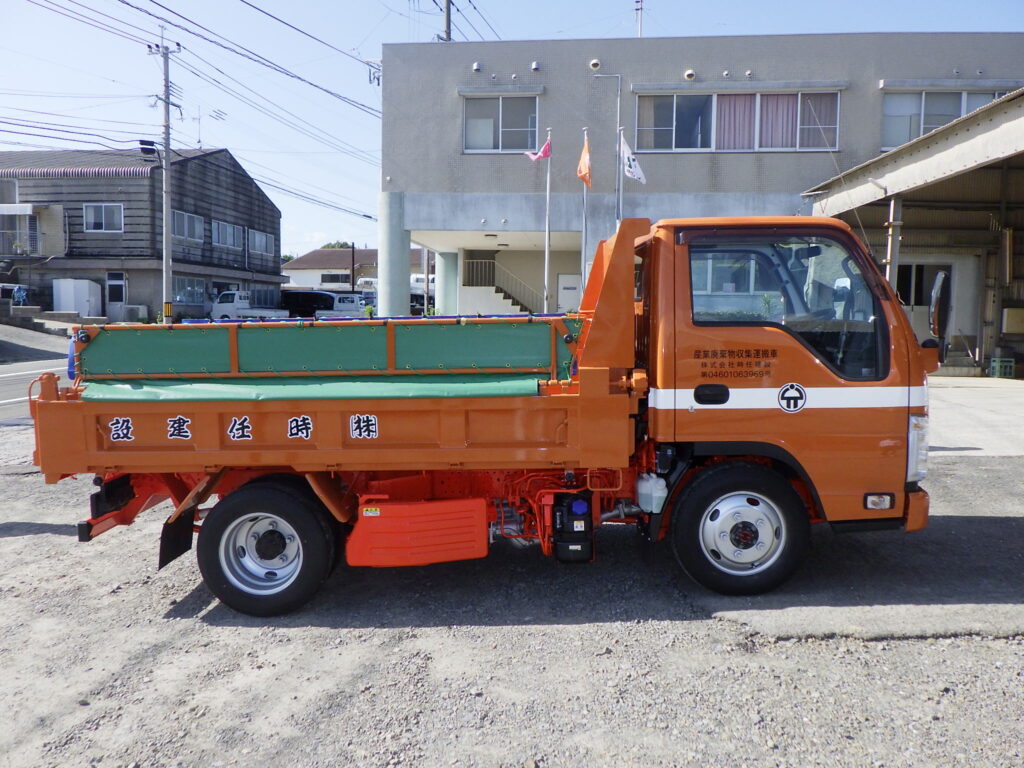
(15, 243)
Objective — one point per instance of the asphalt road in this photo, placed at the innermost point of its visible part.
(24, 355)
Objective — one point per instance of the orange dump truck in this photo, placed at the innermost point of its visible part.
(725, 384)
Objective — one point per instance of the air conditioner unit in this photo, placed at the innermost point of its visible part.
(136, 313)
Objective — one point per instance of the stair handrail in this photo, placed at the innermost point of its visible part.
(530, 300)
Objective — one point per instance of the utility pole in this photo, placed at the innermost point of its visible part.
(639, 18)
(447, 21)
(165, 164)
(352, 268)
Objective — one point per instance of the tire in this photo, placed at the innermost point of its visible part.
(740, 529)
(265, 549)
(301, 486)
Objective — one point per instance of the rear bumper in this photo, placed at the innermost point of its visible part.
(916, 514)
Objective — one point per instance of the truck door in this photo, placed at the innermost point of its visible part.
(784, 349)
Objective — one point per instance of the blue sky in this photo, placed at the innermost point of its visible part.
(67, 79)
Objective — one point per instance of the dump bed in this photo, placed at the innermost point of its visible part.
(363, 394)
(393, 394)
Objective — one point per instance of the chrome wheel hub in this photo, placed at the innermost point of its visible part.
(742, 533)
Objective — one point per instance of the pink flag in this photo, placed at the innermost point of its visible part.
(545, 151)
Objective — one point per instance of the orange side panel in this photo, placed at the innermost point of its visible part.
(418, 533)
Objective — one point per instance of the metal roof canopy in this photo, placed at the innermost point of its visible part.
(989, 137)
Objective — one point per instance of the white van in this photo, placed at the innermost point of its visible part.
(417, 281)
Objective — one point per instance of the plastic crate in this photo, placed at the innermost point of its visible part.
(1001, 367)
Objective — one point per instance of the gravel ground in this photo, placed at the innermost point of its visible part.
(509, 661)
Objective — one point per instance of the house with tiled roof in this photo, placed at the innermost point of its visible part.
(97, 217)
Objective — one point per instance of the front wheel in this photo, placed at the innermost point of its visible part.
(740, 529)
(265, 549)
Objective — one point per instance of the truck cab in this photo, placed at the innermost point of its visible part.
(779, 344)
(233, 305)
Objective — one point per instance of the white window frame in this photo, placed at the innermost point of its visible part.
(254, 236)
(192, 287)
(239, 231)
(85, 220)
(189, 217)
(997, 94)
(501, 103)
(757, 122)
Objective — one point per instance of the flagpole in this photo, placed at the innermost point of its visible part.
(547, 235)
(619, 181)
(583, 238)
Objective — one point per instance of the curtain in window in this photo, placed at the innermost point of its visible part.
(819, 120)
(735, 129)
(778, 120)
(654, 122)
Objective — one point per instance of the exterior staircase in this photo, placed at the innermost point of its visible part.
(36, 319)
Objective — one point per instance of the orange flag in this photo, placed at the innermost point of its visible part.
(583, 168)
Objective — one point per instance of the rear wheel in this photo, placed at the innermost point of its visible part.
(740, 529)
(265, 549)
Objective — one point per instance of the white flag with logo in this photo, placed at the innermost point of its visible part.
(630, 166)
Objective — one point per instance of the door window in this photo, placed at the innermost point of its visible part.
(811, 286)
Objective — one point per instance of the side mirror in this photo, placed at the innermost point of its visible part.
(938, 310)
(938, 317)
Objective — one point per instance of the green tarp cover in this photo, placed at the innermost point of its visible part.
(313, 388)
(157, 350)
(352, 347)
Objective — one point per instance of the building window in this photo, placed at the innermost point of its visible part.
(189, 290)
(187, 226)
(103, 217)
(8, 191)
(260, 242)
(228, 235)
(759, 122)
(501, 124)
(327, 277)
(906, 116)
(264, 296)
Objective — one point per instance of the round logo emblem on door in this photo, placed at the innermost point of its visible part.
(792, 398)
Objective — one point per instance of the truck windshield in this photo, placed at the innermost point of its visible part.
(812, 286)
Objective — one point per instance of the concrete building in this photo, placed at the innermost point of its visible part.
(720, 126)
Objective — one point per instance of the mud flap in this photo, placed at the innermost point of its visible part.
(175, 538)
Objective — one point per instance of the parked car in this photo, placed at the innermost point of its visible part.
(321, 304)
(234, 305)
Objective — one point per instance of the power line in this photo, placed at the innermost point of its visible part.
(310, 36)
(329, 138)
(454, 25)
(314, 200)
(72, 117)
(240, 50)
(46, 126)
(108, 16)
(88, 21)
(471, 24)
(239, 153)
(481, 15)
(310, 132)
(62, 138)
